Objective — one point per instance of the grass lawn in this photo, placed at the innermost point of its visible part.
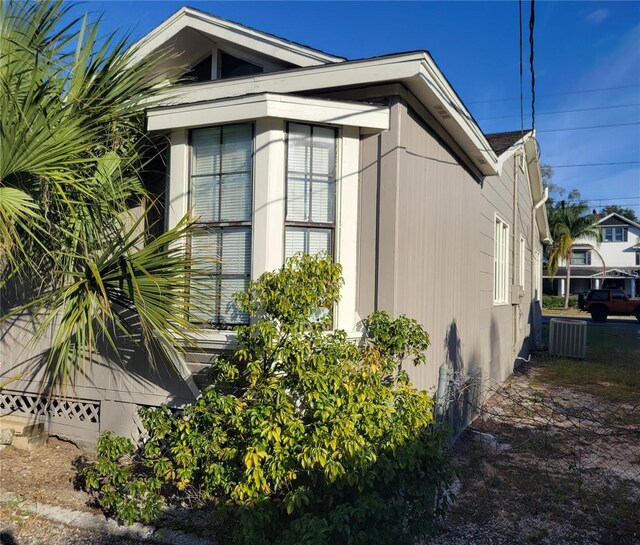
(610, 371)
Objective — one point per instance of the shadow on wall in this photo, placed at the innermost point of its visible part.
(462, 388)
(101, 394)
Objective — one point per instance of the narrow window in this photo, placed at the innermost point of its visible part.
(311, 189)
(220, 191)
(500, 262)
(637, 258)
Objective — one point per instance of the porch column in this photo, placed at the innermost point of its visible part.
(632, 290)
(596, 284)
(561, 286)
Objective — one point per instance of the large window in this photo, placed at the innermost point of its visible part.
(501, 262)
(311, 189)
(581, 257)
(220, 191)
(614, 234)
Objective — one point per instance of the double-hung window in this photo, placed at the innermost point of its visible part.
(581, 257)
(501, 262)
(614, 234)
(311, 189)
(220, 191)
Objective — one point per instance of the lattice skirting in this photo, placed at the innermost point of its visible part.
(72, 418)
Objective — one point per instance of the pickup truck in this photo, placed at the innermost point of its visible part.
(603, 303)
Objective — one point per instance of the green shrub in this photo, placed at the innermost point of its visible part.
(304, 436)
(557, 301)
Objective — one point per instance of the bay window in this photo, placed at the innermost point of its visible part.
(221, 181)
(311, 189)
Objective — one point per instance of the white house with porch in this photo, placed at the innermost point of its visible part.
(613, 263)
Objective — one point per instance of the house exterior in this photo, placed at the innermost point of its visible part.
(613, 263)
(278, 148)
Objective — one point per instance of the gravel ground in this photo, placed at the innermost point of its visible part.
(19, 528)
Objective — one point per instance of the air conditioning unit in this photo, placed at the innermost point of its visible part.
(568, 338)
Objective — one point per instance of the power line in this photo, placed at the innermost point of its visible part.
(532, 22)
(596, 164)
(521, 100)
(567, 111)
(591, 127)
(558, 94)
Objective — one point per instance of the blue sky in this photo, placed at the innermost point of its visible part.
(579, 46)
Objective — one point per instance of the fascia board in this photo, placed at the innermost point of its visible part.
(296, 108)
(537, 187)
(415, 70)
(232, 32)
(456, 119)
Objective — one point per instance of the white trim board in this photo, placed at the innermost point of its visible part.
(313, 110)
(417, 71)
(242, 36)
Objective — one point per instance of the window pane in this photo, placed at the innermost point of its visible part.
(205, 151)
(233, 67)
(236, 149)
(236, 251)
(299, 144)
(319, 240)
(229, 312)
(298, 198)
(294, 241)
(205, 198)
(205, 249)
(323, 151)
(236, 198)
(323, 201)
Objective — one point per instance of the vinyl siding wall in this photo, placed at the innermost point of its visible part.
(435, 248)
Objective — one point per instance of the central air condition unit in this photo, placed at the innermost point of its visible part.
(568, 338)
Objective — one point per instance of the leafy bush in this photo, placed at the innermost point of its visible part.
(304, 436)
(557, 301)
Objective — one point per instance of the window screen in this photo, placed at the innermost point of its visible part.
(311, 189)
(221, 180)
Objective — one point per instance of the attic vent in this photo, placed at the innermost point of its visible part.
(442, 112)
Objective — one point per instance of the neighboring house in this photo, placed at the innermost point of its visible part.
(613, 263)
(279, 148)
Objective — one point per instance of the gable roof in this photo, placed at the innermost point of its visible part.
(223, 29)
(621, 220)
(502, 141)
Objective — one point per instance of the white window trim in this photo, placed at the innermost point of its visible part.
(501, 276)
(268, 210)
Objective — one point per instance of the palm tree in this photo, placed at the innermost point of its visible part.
(76, 215)
(569, 223)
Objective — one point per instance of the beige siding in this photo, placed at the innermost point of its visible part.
(441, 268)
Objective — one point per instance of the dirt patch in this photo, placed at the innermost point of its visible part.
(547, 465)
(47, 475)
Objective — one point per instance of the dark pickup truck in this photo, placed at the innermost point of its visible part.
(603, 303)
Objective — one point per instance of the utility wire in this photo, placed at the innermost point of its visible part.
(591, 127)
(580, 91)
(532, 22)
(565, 111)
(521, 99)
(597, 164)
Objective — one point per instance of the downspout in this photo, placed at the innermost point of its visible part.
(538, 342)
